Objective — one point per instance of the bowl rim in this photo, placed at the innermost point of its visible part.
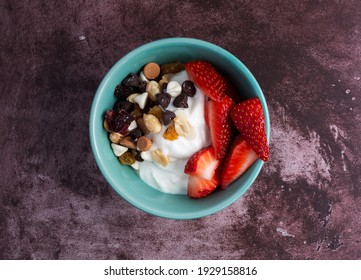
(176, 41)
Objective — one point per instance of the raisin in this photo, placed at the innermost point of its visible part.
(170, 133)
(119, 120)
(127, 158)
(163, 88)
(136, 114)
(172, 68)
(167, 117)
(142, 87)
(181, 101)
(123, 104)
(132, 80)
(163, 99)
(188, 88)
(136, 154)
(135, 134)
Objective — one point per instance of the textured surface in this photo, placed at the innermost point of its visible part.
(54, 203)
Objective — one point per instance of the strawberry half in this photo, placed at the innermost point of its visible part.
(220, 125)
(202, 164)
(199, 187)
(249, 119)
(206, 77)
(239, 158)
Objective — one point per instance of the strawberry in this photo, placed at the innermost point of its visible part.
(249, 120)
(202, 164)
(239, 158)
(220, 125)
(206, 77)
(199, 187)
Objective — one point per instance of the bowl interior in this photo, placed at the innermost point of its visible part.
(123, 178)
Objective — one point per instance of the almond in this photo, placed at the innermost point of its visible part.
(152, 123)
(160, 158)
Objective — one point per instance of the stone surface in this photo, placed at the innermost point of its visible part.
(55, 204)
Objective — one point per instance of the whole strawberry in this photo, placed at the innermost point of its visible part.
(248, 118)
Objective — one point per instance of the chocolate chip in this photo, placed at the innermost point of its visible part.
(132, 80)
(188, 88)
(123, 104)
(163, 99)
(167, 117)
(181, 101)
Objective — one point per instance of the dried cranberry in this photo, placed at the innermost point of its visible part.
(119, 121)
(188, 88)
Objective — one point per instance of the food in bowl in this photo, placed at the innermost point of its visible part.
(184, 128)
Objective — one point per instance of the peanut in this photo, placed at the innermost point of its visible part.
(115, 137)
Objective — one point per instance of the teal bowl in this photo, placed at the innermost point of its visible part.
(124, 179)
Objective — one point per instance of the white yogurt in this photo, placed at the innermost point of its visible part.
(172, 179)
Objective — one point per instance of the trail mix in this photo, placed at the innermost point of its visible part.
(142, 109)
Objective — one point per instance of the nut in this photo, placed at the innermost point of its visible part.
(182, 126)
(156, 111)
(115, 137)
(144, 143)
(128, 142)
(164, 80)
(152, 123)
(131, 98)
(142, 127)
(153, 88)
(106, 125)
(160, 158)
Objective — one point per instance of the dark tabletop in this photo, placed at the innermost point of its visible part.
(306, 202)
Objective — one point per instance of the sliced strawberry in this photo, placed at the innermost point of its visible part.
(220, 125)
(249, 119)
(239, 158)
(206, 77)
(199, 187)
(202, 164)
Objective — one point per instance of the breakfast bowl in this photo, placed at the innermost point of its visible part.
(124, 179)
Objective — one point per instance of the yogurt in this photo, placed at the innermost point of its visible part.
(171, 178)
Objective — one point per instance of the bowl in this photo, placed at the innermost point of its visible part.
(124, 179)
